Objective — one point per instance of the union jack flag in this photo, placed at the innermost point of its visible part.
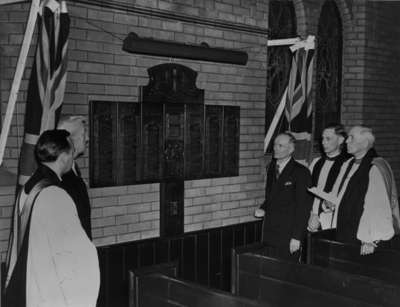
(47, 82)
(296, 101)
(298, 108)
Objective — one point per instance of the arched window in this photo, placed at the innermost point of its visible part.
(282, 24)
(329, 68)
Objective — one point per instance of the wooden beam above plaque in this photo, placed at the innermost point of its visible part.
(144, 45)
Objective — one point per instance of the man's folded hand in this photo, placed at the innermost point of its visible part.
(259, 212)
(328, 206)
(313, 222)
(294, 245)
(367, 248)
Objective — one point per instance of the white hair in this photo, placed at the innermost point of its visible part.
(367, 134)
(72, 123)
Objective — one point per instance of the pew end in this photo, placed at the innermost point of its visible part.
(135, 276)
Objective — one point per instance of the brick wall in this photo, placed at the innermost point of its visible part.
(6, 199)
(381, 106)
(99, 70)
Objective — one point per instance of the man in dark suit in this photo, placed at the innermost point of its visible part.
(287, 202)
(72, 181)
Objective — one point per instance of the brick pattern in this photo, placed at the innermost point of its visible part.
(353, 65)
(12, 25)
(125, 213)
(6, 212)
(99, 69)
(221, 201)
(381, 106)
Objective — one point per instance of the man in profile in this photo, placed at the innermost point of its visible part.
(72, 181)
(51, 261)
(368, 212)
(287, 202)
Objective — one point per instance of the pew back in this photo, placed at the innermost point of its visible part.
(160, 290)
(330, 286)
(256, 248)
(323, 251)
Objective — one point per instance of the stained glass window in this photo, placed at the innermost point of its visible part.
(282, 24)
(329, 64)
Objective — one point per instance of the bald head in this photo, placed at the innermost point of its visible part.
(76, 126)
(359, 141)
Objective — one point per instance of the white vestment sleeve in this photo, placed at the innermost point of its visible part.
(316, 201)
(63, 267)
(376, 220)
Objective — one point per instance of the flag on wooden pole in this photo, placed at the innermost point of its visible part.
(45, 95)
(7, 178)
(47, 82)
(298, 108)
(296, 102)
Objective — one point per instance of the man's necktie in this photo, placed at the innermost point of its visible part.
(277, 173)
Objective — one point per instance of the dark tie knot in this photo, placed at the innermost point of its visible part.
(277, 172)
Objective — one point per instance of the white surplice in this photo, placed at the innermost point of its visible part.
(62, 267)
(376, 222)
(326, 216)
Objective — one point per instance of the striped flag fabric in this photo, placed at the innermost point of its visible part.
(47, 81)
(298, 107)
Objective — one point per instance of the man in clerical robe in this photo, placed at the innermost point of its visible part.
(367, 213)
(51, 261)
(72, 181)
(324, 172)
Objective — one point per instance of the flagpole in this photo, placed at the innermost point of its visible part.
(275, 121)
(295, 43)
(283, 41)
(281, 106)
(30, 27)
(10, 1)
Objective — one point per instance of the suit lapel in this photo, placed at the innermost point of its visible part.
(287, 171)
(282, 179)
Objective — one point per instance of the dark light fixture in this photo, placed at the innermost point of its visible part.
(144, 45)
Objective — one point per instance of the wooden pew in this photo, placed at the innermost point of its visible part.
(150, 288)
(161, 290)
(167, 269)
(277, 281)
(256, 248)
(155, 289)
(324, 251)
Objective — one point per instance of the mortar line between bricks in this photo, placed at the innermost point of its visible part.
(174, 16)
